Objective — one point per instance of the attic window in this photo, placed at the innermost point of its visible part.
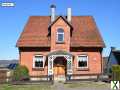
(60, 35)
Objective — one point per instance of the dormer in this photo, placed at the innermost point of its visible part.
(60, 32)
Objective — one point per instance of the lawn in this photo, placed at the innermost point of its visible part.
(59, 86)
(25, 87)
(88, 85)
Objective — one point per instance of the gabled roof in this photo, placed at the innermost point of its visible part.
(85, 32)
(63, 19)
(49, 28)
(116, 53)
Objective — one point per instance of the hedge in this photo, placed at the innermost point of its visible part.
(116, 72)
(20, 73)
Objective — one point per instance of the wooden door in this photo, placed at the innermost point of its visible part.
(59, 70)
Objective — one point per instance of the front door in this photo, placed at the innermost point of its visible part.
(59, 69)
(59, 72)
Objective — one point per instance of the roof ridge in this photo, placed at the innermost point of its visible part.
(60, 15)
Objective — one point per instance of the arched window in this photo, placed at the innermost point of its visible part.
(60, 35)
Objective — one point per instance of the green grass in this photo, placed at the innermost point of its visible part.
(87, 85)
(25, 87)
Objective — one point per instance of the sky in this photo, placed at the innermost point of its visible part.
(13, 19)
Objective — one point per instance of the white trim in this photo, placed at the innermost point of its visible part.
(60, 33)
(87, 61)
(34, 61)
(51, 71)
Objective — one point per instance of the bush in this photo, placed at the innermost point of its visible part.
(116, 72)
(21, 73)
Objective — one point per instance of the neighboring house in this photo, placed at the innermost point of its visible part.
(7, 63)
(6, 67)
(114, 59)
(61, 45)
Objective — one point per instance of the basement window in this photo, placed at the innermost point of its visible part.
(82, 61)
(38, 61)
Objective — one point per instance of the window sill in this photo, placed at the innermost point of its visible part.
(60, 42)
(83, 69)
(35, 68)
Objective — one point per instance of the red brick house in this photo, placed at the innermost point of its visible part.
(61, 45)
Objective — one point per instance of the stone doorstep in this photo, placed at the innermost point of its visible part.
(60, 78)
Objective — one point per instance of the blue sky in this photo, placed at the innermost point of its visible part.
(13, 20)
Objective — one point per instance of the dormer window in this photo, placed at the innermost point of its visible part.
(60, 35)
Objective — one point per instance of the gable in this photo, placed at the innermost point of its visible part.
(60, 21)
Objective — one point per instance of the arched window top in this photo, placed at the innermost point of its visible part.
(60, 30)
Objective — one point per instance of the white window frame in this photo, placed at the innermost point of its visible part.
(78, 60)
(60, 33)
(34, 61)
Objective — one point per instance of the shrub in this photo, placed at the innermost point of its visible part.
(21, 73)
(116, 72)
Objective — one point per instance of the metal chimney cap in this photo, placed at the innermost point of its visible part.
(53, 6)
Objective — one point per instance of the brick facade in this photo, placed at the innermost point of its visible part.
(93, 53)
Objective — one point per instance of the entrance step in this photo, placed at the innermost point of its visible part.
(60, 78)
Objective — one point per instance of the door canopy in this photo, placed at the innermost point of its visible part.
(53, 55)
(60, 52)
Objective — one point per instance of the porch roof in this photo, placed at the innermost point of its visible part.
(60, 52)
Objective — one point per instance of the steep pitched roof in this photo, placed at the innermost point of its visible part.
(84, 34)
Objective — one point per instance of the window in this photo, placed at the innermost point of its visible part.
(38, 61)
(82, 61)
(60, 35)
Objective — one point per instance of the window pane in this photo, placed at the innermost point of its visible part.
(60, 30)
(82, 61)
(38, 61)
(60, 37)
(41, 64)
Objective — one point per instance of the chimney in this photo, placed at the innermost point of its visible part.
(69, 14)
(52, 12)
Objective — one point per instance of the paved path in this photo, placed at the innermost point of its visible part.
(62, 86)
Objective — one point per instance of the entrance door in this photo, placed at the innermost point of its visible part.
(59, 72)
(59, 69)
